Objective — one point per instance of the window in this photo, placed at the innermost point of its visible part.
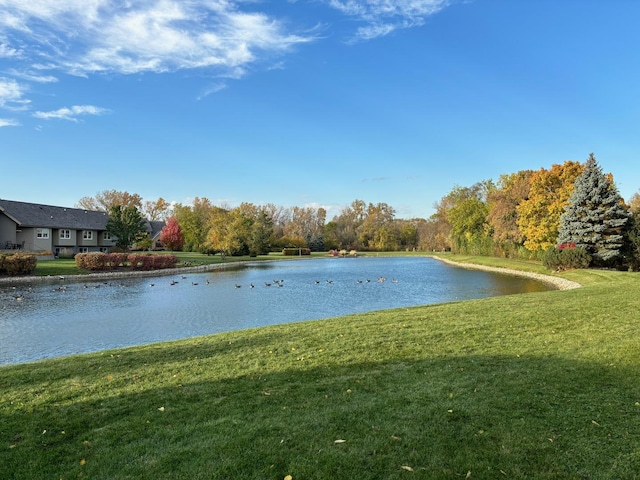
(106, 236)
(83, 250)
(65, 234)
(104, 250)
(87, 234)
(42, 233)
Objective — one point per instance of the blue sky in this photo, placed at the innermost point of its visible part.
(311, 103)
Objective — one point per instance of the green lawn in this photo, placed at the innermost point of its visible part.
(543, 385)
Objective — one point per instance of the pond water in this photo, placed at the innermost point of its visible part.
(59, 318)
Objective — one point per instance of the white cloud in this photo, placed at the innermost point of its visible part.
(7, 122)
(6, 51)
(211, 89)
(88, 36)
(32, 77)
(12, 95)
(384, 16)
(71, 113)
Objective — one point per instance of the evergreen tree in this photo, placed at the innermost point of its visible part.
(595, 217)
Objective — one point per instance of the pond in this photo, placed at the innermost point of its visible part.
(58, 318)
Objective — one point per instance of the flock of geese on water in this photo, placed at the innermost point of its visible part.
(278, 283)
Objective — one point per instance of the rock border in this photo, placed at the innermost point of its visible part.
(557, 282)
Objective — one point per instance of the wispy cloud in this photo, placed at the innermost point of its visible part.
(82, 37)
(32, 77)
(7, 122)
(211, 89)
(12, 95)
(71, 113)
(381, 17)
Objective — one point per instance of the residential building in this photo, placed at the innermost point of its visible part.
(61, 230)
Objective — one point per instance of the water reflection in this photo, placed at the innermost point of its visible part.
(58, 318)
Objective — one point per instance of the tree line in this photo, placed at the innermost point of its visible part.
(525, 214)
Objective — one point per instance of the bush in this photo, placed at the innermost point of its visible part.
(296, 251)
(566, 257)
(97, 261)
(18, 264)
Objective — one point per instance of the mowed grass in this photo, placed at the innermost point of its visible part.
(543, 385)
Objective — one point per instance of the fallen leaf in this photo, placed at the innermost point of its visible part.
(595, 423)
(407, 468)
(161, 409)
(83, 462)
(340, 441)
(288, 477)
(468, 474)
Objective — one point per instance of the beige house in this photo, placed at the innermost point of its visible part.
(61, 230)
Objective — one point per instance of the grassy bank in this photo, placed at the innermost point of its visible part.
(542, 385)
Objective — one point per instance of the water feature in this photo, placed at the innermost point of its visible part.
(59, 318)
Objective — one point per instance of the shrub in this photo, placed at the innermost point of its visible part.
(566, 257)
(116, 259)
(18, 264)
(164, 261)
(296, 251)
(91, 261)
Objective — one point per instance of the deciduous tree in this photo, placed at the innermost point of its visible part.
(539, 215)
(159, 209)
(126, 224)
(171, 235)
(103, 201)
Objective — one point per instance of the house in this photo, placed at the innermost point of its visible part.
(61, 230)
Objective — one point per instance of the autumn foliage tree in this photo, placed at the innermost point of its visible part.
(171, 235)
(539, 215)
(105, 200)
(511, 190)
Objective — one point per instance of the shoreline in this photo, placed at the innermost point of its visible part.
(130, 273)
(557, 282)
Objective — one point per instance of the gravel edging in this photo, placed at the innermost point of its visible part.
(557, 282)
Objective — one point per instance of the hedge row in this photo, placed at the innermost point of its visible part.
(97, 261)
(566, 257)
(17, 264)
(296, 251)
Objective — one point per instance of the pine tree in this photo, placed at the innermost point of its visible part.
(595, 217)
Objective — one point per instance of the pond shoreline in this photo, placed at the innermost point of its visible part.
(557, 282)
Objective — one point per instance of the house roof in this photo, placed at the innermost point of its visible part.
(155, 227)
(49, 216)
